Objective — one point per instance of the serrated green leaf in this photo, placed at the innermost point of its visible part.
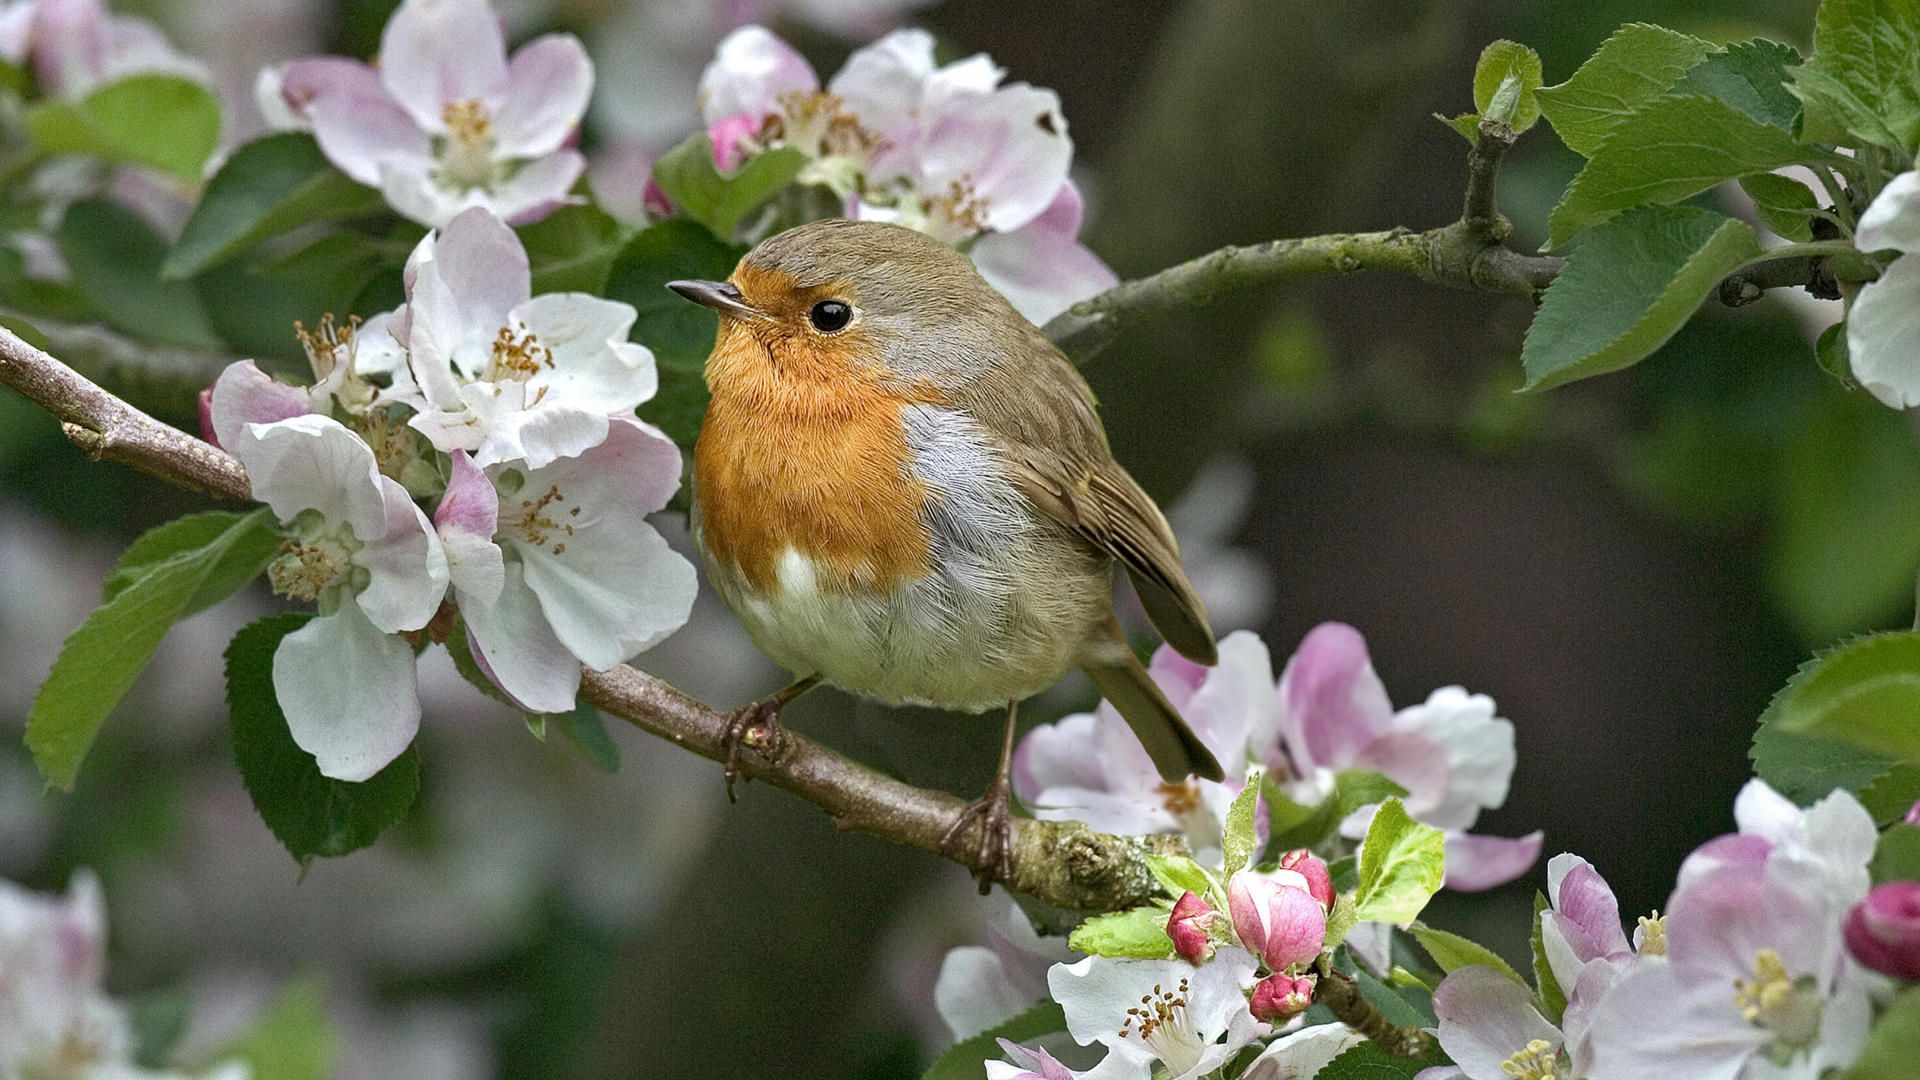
(1340, 921)
(100, 659)
(1897, 856)
(679, 332)
(1548, 998)
(686, 174)
(1894, 1044)
(1866, 692)
(1467, 124)
(1864, 77)
(309, 813)
(966, 1059)
(164, 121)
(1805, 768)
(1628, 287)
(268, 186)
(1291, 825)
(1240, 836)
(1749, 76)
(571, 249)
(291, 1040)
(586, 730)
(1634, 66)
(1500, 61)
(1845, 541)
(1368, 1062)
(1452, 951)
(1783, 204)
(1139, 932)
(1401, 865)
(115, 257)
(245, 558)
(1179, 875)
(1666, 151)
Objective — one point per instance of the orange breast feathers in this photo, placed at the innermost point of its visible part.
(803, 448)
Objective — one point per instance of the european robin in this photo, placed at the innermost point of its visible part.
(901, 488)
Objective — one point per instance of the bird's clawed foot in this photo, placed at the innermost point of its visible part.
(756, 726)
(993, 816)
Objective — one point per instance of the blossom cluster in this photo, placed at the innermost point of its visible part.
(515, 413)
(948, 150)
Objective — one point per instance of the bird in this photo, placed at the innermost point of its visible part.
(901, 488)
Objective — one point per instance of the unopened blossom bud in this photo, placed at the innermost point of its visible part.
(1319, 882)
(1279, 997)
(1277, 917)
(730, 137)
(1187, 926)
(1883, 931)
(1913, 813)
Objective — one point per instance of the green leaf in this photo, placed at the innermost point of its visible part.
(108, 651)
(1751, 77)
(309, 813)
(1291, 825)
(1668, 150)
(1547, 995)
(267, 187)
(1864, 77)
(1805, 768)
(1452, 951)
(1240, 836)
(1499, 62)
(291, 1040)
(1411, 1007)
(571, 249)
(1401, 865)
(248, 555)
(1894, 1044)
(686, 174)
(1467, 124)
(584, 728)
(966, 1059)
(1634, 66)
(1628, 287)
(1140, 933)
(679, 332)
(1180, 875)
(1340, 921)
(1368, 1062)
(1866, 692)
(1845, 540)
(163, 121)
(115, 257)
(1830, 353)
(1890, 795)
(1783, 204)
(26, 332)
(1897, 856)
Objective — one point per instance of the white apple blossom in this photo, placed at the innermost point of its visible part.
(1188, 1021)
(443, 120)
(76, 46)
(1883, 323)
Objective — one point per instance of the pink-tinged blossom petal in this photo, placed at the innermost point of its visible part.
(16, 29)
(621, 178)
(984, 986)
(75, 46)
(1479, 752)
(468, 514)
(1913, 815)
(548, 83)
(1178, 677)
(884, 84)
(1584, 924)
(468, 278)
(1486, 1018)
(1319, 881)
(594, 365)
(1279, 919)
(1476, 862)
(1892, 220)
(1234, 700)
(1041, 267)
(312, 462)
(302, 81)
(730, 136)
(348, 692)
(750, 70)
(539, 187)
(1654, 1026)
(368, 136)
(516, 643)
(1332, 704)
(1281, 997)
(1410, 759)
(1009, 146)
(243, 394)
(1025, 1064)
(406, 566)
(437, 52)
(1187, 927)
(606, 580)
(1883, 931)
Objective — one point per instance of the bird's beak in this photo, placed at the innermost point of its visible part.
(721, 296)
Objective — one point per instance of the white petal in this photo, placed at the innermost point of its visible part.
(243, 394)
(406, 565)
(1892, 220)
(883, 83)
(1653, 1028)
(1301, 1055)
(485, 270)
(972, 992)
(348, 693)
(1883, 334)
(368, 136)
(594, 365)
(1479, 748)
(548, 83)
(312, 462)
(413, 193)
(538, 437)
(1039, 280)
(437, 52)
(538, 187)
(520, 649)
(1010, 146)
(748, 73)
(1485, 1018)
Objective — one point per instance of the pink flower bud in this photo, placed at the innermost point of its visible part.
(1188, 929)
(1883, 931)
(729, 136)
(1278, 997)
(1277, 917)
(1913, 813)
(1319, 882)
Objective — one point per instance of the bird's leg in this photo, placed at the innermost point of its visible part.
(993, 859)
(757, 724)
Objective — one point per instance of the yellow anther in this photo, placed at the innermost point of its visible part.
(1653, 934)
(1538, 1061)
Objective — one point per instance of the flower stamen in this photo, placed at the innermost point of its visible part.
(302, 571)
(1774, 1000)
(466, 156)
(1537, 1061)
(1653, 934)
(517, 354)
(537, 526)
(1161, 1022)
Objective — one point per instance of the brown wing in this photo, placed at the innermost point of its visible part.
(1042, 408)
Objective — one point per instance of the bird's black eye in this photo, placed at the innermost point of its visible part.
(830, 315)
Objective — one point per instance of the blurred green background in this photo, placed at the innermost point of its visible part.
(1629, 566)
